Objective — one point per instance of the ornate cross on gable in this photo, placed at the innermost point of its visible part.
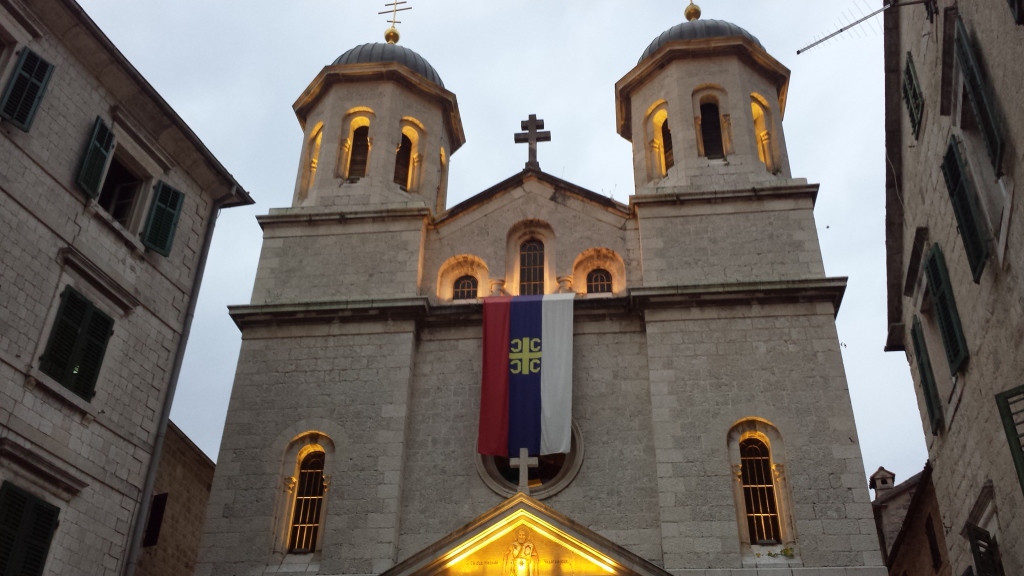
(524, 463)
(531, 137)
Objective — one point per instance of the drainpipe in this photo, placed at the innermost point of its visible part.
(142, 512)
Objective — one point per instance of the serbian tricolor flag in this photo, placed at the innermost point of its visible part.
(526, 396)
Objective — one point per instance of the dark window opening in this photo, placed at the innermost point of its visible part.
(759, 492)
(946, 81)
(465, 288)
(402, 162)
(666, 145)
(531, 268)
(711, 130)
(155, 520)
(599, 282)
(933, 543)
(27, 525)
(309, 499)
(119, 191)
(360, 152)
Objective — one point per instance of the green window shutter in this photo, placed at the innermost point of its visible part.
(77, 345)
(932, 401)
(25, 89)
(965, 207)
(912, 95)
(27, 525)
(941, 292)
(163, 218)
(97, 154)
(982, 102)
(985, 550)
(1011, 410)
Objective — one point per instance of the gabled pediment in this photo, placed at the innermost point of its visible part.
(522, 537)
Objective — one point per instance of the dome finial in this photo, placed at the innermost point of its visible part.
(692, 12)
(391, 35)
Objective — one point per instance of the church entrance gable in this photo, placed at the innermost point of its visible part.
(522, 537)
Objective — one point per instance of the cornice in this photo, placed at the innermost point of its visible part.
(715, 196)
(337, 216)
(247, 316)
(829, 290)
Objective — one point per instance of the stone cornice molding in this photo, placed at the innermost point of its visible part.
(24, 17)
(115, 289)
(375, 309)
(384, 71)
(37, 464)
(829, 290)
(715, 196)
(142, 138)
(292, 217)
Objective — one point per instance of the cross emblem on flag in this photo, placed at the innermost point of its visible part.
(524, 357)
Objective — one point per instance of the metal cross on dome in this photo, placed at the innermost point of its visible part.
(531, 137)
(391, 34)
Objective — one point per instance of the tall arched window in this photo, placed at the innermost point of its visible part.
(403, 160)
(465, 288)
(762, 510)
(666, 145)
(711, 130)
(313, 154)
(531, 268)
(309, 500)
(599, 282)
(360, 152)
(762, 136)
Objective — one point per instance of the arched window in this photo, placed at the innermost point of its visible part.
(403, 161)
(465, 288)
(762, 136)
(309, 500)
(762, 510)
(599, 282)
(313, 154)
(360, 152)
(531, 268)
(711, 130)
(666, 145)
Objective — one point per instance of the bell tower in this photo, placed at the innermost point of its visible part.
(379, 128)
(703, 108)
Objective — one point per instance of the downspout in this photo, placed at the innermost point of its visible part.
(142, 512)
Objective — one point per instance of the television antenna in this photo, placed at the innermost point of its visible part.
(930, 4)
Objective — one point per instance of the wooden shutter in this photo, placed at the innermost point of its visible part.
(965, 208)
(155, 521)
(92, 346)
(941, 292)
(163, 218)
(1011, 410)
(985, 550)
(58, 360)
(932, 401)
(27, 525)
(912, 95)
(982, 102)
(94, 162)
(25, 89)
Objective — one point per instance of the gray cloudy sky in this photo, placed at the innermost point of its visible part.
(233, 68)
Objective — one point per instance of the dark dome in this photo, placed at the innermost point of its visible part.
(376, 52)
(697, 29)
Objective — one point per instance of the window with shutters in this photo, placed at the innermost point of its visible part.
(599, 281)
(1011, 411)
(762, 511)
(27, 524)
(164, 211)
(965, 208)
(25, 89)
(912, 96)
(105, 174)
(465, 288)
(932, 400)
(940, 293)
(78, 342)
(980, 100)
(309, 498)
(985, 550)
(531, 268)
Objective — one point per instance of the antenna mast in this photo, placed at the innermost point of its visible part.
(891, 4)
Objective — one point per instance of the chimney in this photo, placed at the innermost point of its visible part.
(882, 481)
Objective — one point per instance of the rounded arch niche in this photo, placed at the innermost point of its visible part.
(553, 475)
(593, 259)
(455, 268)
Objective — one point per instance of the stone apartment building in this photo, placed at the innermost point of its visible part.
(107, 205)
(909, 525)
(712, 427)
(954, 243)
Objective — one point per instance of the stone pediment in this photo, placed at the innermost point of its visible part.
(522, 537)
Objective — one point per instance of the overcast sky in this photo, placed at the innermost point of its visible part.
(233, 68)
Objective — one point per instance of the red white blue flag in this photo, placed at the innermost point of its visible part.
(526, 395)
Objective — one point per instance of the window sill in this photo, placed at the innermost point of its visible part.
(36, 378)
(758, 556)
(129, 239)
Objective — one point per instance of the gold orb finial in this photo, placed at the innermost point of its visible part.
(391, 35)
(692, 12)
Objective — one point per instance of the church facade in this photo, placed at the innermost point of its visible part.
(712, 425)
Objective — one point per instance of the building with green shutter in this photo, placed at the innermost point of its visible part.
(107, 206)
(954, 242)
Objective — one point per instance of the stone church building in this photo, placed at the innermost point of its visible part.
(712, 425)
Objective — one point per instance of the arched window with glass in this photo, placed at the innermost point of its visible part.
(309, 501)
(465, 288)
(762, 510)
(599, 281)
(531, 268)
